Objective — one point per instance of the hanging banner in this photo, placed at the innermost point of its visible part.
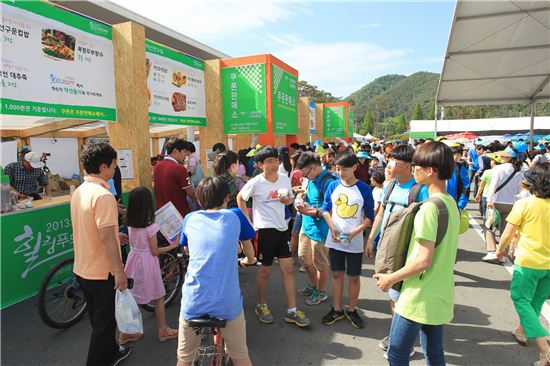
(312, 117)
(244, 99)
(351, 122)
(55, 63)
(284, 101)
(175, 87)
(334, 121)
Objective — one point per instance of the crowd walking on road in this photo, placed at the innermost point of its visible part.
(324, 208)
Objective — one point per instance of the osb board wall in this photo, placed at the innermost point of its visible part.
(213, 132)
(131, 130)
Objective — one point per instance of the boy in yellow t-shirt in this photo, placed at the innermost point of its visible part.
(530, 285)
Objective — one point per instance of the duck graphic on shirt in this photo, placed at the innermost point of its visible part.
(344, 210)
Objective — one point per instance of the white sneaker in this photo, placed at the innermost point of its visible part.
(492, 257)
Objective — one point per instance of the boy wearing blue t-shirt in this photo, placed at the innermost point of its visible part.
(348, 210)
(212, 235)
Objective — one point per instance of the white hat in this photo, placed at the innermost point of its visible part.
(33, 158)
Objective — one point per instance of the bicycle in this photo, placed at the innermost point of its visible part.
(172, 269)
(212, 349)
(61, 301)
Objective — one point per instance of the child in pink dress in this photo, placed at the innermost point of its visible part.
(142, 264)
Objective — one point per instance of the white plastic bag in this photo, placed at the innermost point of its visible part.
(127, 314)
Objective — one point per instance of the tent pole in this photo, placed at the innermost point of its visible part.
(532, 125)
(435, 121)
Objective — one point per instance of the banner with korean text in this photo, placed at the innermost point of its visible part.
(55, 63)
(284, 101)
(244, 99)
(175, 87)
(334, 121)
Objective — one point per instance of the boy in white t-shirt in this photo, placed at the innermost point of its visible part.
(271, 192)
(348, 210)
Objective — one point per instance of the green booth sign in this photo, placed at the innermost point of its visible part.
(334, 121)
(244, 99)
(32, 243)
(284, 101)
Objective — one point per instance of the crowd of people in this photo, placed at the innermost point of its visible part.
(327, 206)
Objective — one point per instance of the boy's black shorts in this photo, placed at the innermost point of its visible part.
(341, 261)
(272, 243)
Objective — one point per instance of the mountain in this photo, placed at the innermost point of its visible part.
(392, 95)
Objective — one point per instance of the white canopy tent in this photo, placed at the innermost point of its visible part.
(498, 53)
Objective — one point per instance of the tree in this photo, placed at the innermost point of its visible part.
(401, 124)
(417, 113)
(316, 95)
(367, 126)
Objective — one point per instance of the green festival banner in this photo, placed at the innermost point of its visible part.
(55, 63)
(244, 99)
(175, 87)
(32, 243)
(334, 121)
(284, 101)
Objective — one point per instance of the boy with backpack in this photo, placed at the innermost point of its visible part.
(348, 209)
(271, 192)
(399, 193)
(426, 300)
(311, 248)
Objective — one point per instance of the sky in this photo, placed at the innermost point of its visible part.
(337, 46)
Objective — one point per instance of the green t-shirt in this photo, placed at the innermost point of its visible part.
(429, 298)
(486, 179)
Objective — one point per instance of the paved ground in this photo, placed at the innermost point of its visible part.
(479, 334)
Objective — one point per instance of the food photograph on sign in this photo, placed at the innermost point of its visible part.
(58, 45)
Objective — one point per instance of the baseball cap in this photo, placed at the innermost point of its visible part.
(33, 158)
(495, 157)
(520, 146)
(363, 155)
(508, 153)
(25, 149)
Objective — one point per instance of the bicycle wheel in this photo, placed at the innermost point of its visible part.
(61, 301)
(172, 271)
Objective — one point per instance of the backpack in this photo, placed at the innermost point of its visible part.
(459, 183)
(396, 236)
(413, 195)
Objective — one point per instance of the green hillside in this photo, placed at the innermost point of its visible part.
(393, 99)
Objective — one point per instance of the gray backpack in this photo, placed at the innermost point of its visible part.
(396, 236)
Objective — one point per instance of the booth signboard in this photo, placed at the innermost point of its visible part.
(55, 63)
(351, 122)
(284, 101)
(244, 99)
(334, 121)
(32, 243)
(175, 87)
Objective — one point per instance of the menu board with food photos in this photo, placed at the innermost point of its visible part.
(175, 87)
(55, 63)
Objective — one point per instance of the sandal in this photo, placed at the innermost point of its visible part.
(169, 333)
(542, 357)
(520, 338)
(124, 338)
